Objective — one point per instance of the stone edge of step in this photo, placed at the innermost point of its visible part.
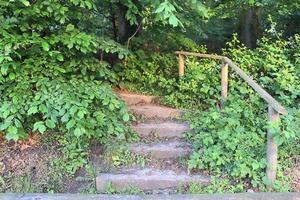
(162, 150)
(167, 129)
(148, 179)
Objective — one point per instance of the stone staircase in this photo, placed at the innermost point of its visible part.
(163, 122)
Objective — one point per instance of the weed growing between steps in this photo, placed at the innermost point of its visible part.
(119, 155)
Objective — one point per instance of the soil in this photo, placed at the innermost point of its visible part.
(295, 174)
(26, 166)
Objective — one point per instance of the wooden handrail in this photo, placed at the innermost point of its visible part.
(274, 107)
(264, 94)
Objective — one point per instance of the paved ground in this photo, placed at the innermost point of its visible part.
(242, 196)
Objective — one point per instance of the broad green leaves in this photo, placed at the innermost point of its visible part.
(25, 2)
(45, 46)
(49, 76)
(32, 110)
(50, 123)
(39, 126)
(166, 12)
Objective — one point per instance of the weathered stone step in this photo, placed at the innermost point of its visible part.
(168, 129)
(164, 150)
(133, 99)
(147, 179)
(153, 111)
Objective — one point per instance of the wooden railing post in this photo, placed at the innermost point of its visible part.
(181, 65)
(224, 83)
(272, 149)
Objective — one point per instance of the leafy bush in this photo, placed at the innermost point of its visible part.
(232, 141)
(199, 87)
(50, 78)
(149, 73)
(154, 70)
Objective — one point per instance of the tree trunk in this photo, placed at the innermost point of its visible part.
(250, 27)
(125, 30)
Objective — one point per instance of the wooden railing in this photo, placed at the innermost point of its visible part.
(274, 107)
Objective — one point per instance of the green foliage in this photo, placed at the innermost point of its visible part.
(157, 72)
(272, 64)
(50, 78)
(232, 141)
(228, 141)
(195, 88)
(119, 155)
(217, 185)
(166, 12)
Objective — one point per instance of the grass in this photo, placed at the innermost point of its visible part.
(119, 155)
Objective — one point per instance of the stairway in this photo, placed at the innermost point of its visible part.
(170, 146)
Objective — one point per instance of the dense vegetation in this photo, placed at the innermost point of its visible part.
(60, 59)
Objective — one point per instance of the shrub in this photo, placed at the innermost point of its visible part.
(50, 77)
(232, 141)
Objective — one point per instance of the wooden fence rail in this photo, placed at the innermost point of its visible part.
(274, 107)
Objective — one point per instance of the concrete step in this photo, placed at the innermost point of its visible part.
(156, 112)
(164, 150)
(167, 129)
(147, 179)
(133, 99)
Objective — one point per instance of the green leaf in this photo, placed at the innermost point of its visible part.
(70, 124)
(4, 69)
(73, 109)
(251, 2)
(39, 126)
(4, 126)
(45, 46)
(42, 128)
(173, 20)
(255, 166)
(36, 125)
(60, 57)
(32, 110)
(160, 8)
(77, 132)
(50, 123)
(126, 117)
(12, 133)
(70, 27)
(88, 4)
(26, 3)
(65, 118)
(80, 114)
(12, 76)
(43, 108)
(6, 113)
